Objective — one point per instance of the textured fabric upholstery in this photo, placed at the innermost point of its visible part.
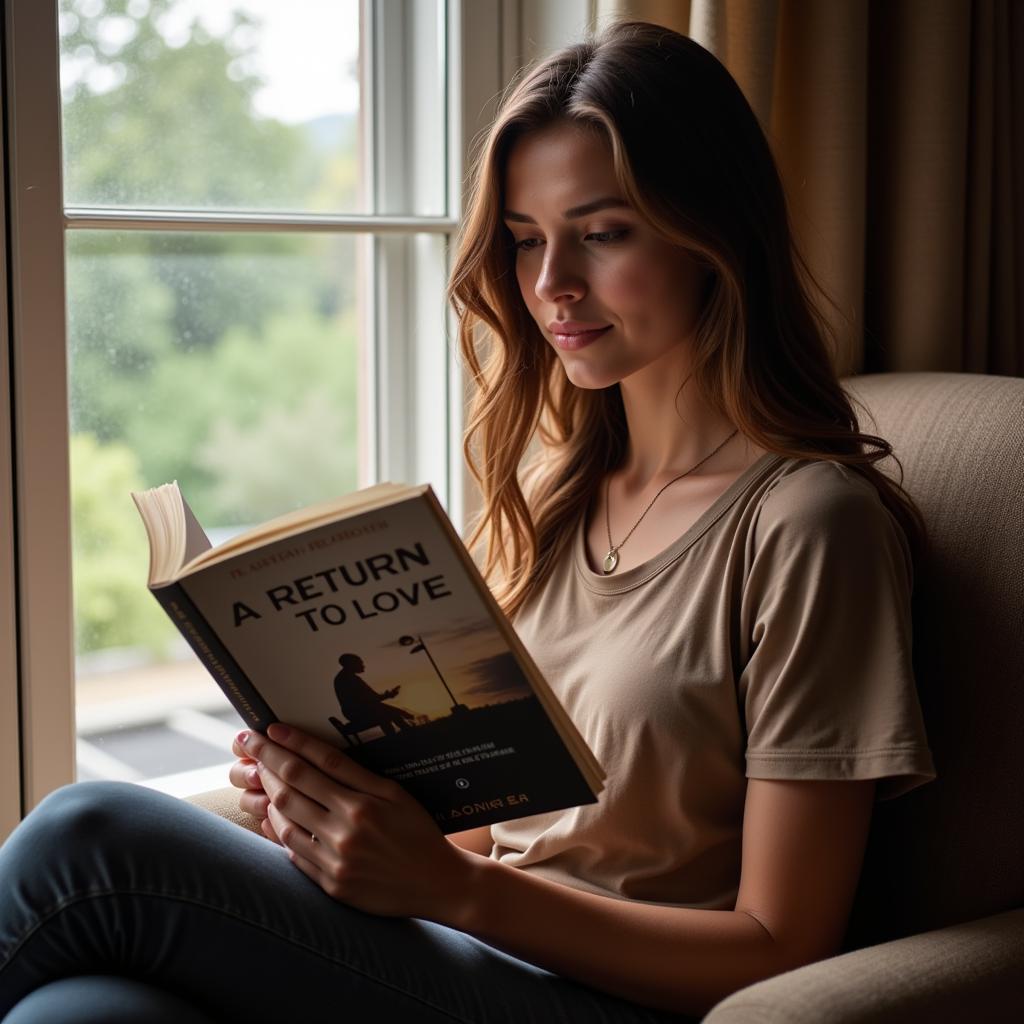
(968, 972)
(225, 803)
(954, 849)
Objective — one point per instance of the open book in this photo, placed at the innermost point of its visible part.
(365, 621)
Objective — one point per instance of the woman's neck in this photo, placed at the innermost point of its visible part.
(671, 431)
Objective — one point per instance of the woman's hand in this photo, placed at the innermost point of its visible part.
(253, 800)
(362, 838)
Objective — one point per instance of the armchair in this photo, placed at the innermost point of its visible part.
(937, 929)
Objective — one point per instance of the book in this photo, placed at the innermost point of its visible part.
(364, 621)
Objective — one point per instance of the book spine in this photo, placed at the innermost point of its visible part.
(226, 672)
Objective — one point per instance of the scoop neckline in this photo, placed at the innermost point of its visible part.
(639, 574)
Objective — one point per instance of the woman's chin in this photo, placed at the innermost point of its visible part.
(589, 377)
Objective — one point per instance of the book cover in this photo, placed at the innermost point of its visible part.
(375, 633)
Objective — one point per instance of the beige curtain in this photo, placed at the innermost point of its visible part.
(898, 127)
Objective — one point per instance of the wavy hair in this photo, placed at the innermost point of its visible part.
(691, 158)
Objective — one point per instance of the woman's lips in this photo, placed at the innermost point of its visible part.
(578, 339)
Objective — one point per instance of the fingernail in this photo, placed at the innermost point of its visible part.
(252, 775)
(243, 738)
(278, 731)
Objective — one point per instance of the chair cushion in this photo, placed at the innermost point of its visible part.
(225, 803)
(972, 971)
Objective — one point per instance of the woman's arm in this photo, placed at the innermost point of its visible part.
(366, 842)
(475, 840)
(803, 844)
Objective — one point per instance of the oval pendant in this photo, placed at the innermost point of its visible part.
(610, 561)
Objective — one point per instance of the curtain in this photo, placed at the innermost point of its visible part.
(897, 128)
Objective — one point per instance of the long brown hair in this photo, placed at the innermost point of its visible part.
(691, 159)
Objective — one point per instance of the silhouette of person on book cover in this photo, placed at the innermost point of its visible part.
(361, 705)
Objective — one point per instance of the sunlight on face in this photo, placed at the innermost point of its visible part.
(611, 296)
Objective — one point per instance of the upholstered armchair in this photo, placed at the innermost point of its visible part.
(937, 931)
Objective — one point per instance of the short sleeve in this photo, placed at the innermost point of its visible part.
(828, 690)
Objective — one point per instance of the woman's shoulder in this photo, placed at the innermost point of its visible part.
(809, 500)
(812, 489)
(822, 519)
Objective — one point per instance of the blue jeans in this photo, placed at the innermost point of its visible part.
(118, 903)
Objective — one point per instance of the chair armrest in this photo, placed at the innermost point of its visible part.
(225, 803)
(970, 971)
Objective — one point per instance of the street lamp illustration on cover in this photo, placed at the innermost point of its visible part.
(416, 644)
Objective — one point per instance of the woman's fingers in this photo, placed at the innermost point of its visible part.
(254, 803)
(299, 815)
(326, 759)
(243, 775)
(296, 773)
(295, 837)
(268, 830)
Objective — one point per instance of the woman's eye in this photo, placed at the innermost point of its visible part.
(601, 237)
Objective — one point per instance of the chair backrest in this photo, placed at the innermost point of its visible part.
(953, 849)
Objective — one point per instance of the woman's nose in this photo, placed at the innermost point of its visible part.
(558, 280)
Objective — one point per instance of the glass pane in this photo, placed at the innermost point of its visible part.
(233, 364)
(245, 104)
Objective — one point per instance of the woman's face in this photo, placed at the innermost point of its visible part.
(609, 294)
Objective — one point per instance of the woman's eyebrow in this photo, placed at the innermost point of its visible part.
(573, 212)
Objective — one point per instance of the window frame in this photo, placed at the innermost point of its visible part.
(10, 741)
(37, 679)
(39, 399)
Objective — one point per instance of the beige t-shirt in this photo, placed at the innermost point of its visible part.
(772, 640)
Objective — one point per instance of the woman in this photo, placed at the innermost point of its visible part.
(700, 554)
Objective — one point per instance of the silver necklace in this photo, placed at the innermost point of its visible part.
(611, 560)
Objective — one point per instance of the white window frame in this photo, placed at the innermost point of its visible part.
(37, 712)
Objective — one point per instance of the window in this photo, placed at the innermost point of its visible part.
(252, 250)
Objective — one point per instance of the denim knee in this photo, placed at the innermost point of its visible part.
(103, 999)
(87, 797)
(89, 803)
(82, 812)
(73, 827)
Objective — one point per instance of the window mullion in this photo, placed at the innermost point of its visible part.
(389, 56)
(369, 414)
(394, 360)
